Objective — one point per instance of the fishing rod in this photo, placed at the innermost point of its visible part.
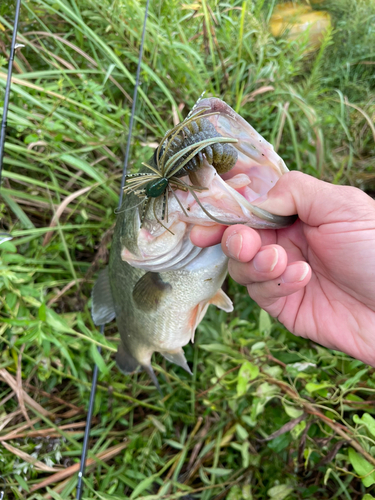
(5, 236)
(13, 48)
(123, 179)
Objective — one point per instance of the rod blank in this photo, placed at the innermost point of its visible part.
(124, 171)
(8, 84)
(86, 438)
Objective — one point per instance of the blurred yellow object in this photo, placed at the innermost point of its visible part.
(295, 19)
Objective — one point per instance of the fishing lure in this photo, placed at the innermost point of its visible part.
(181, 153)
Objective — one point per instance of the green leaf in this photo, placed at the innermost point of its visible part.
(14, 258)
(31, 138)
(42, 312)
(57, 322)
(247, 372)
(353, 380)
(362, 467)
(311, 387)
(258, 346)
(11, 300)
(54, 494)
(265, 323)
(280, 491)
(280, 442)
(220, 348)
(97, 357)
(292, 411)
(367, 420)
(20, 480)
(245, 454)
(83, 165)
(266, 391)
(235, 493)
(217, 471)
(143, 485)
(298, 429)
(18, 212)
(159, 426)
(241, 432)
(7, 246)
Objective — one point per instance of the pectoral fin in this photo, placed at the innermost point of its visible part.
(103, 309)
(149, 291)
(222, 301)
(177, 357)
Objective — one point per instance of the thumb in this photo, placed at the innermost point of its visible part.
(315, 201)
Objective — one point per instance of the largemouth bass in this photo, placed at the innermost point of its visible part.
(158, 285)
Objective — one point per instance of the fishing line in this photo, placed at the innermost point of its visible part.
(119, 211)
(124, 171)
(8, 84)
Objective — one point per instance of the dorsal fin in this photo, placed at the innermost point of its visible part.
(103, 309)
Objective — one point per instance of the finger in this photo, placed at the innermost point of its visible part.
(268, 294)
(241, 243)
(206, 236)
(268, 264)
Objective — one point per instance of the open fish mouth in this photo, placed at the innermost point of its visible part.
(219, 184)
(256, 171)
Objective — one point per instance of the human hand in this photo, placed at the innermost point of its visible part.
(317, 277)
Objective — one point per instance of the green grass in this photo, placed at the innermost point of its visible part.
(266, 415)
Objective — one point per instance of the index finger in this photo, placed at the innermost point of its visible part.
(206, 236)
(241, 243)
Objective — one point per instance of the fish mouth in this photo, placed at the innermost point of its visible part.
(256, 171)
(251, 145)
(229, 198)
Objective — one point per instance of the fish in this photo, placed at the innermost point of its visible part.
(158, 285)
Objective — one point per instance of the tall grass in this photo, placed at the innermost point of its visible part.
(266, 415)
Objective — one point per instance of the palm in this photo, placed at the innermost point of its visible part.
(337, 306)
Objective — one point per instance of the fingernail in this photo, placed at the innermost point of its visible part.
(265, 261)
(234, 245)
(295, 272)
